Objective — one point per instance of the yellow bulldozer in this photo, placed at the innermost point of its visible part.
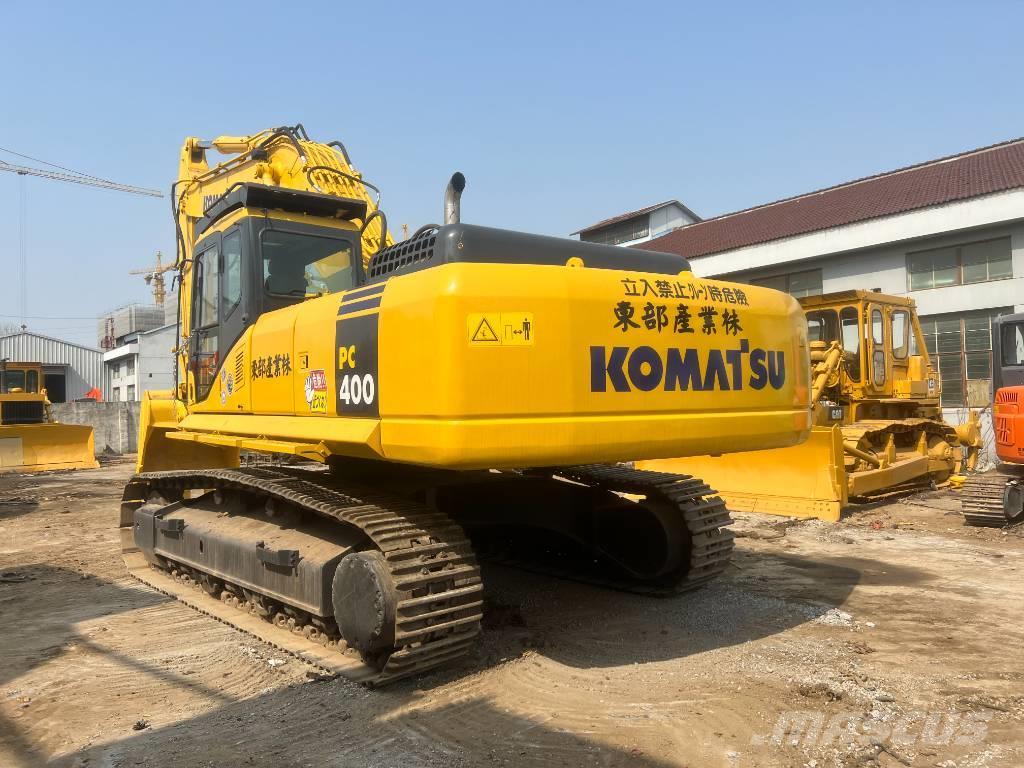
(878, 425)
(30, 440)
(465, 391)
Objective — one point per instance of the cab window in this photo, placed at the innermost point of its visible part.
(302, 265)
(32, 381)
(877, 334)
(205, 359)
(878, 347)
(14, 380)
(1013, 344)
(823, 325)
(206, 307)
(851, 341)
(231, 282)
(900, 334)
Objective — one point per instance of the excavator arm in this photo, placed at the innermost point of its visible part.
(283, 158)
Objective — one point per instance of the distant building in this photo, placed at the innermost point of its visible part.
(70, 370)
(143, 361)
(949, 233)
(639, 226)
(115, 326)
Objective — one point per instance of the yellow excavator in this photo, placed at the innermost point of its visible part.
(878, 426)
(462, 392)
(30, 440)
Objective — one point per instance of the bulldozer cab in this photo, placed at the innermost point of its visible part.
(22, 398)
(20, 378)
(884, 357)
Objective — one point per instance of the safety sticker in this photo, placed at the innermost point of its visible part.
(316, 391)
(498, 329)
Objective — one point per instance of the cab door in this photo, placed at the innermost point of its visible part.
(879, 362)
(221, 302)
(204, 352)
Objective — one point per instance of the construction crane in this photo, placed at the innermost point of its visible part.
(65, 174)
(78, 178)
(155, 276)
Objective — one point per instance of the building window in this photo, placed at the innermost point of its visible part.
(117, 394)
(131, 393)
(959, 265)
(798, 284)
(960, 346)
(131, 366)
(623, 232)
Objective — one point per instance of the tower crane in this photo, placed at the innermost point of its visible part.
(155, 276)
(79, 178)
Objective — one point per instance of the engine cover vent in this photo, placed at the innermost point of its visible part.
(402, 254)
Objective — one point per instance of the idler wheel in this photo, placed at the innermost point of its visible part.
(364, 599)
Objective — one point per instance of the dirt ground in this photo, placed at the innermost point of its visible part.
(893, 638)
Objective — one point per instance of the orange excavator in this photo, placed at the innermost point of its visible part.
(996, 499)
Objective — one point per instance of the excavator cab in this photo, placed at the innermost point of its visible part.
(996, 498)
(1008, 386)
(30, 441)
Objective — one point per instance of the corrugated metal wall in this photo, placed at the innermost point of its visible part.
(85, 366)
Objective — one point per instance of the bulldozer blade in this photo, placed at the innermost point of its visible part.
(806, 480)
(46, 447)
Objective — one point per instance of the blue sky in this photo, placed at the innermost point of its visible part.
(558, 114)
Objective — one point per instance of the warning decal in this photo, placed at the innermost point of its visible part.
(497, 329)
(484, 332)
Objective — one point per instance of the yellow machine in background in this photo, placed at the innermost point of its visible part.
(878, 423)
(30, 441)
(466, 380)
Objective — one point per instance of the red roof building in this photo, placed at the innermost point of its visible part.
(972, 174)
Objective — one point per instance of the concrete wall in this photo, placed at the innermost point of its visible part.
(115, 425)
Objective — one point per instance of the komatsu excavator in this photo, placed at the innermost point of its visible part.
(458, 391)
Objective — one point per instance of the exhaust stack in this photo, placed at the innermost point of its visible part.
(453, 198)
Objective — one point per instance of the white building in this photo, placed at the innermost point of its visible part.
(948, 233)
(142, 362)
(639, 226)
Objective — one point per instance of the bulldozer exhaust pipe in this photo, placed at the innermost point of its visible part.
(453, 198)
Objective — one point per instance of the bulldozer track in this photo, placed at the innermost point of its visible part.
(424, 549)
(431, 562)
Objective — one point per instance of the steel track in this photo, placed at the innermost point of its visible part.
(431, 563)
(431, 560)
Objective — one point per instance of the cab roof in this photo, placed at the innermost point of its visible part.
(846, 297)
